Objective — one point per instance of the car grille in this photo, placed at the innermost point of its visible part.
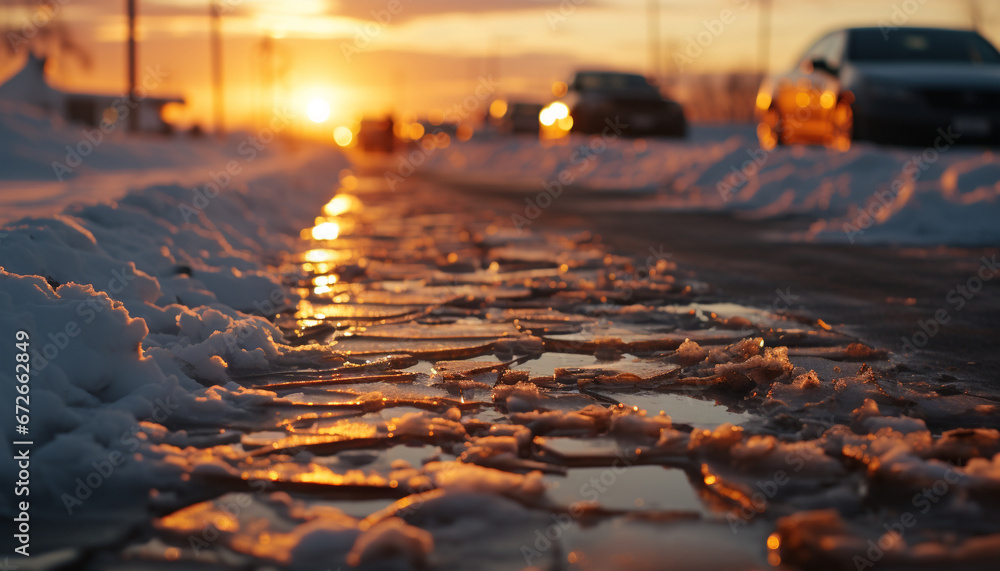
(971, 99)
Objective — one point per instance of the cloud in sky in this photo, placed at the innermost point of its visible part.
(410, 9)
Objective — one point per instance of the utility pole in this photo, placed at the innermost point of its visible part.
(653, 20)
(764, 38)
(268, 86)
(133, 116)
(215, 17)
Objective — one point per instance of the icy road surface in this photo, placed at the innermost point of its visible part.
(449, 392)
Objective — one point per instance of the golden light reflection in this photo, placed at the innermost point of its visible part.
(325, 280)
(552, 113)
(326, 231)
(349, 430)
(199, 516)
(498, 108)
(320, 255)
(343, 136)
(341, 204)
(318, 110)
(773, 543)
(350, 182)
(828, 99)
(763, 101)
(416, 131)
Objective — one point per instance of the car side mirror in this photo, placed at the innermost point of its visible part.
(820, 64)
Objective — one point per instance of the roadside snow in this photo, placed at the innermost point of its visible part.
(869, 194)
(140, 306)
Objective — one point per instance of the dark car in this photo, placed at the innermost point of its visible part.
(596, 99)
(376, 135)
(897, 85)
(519, 117)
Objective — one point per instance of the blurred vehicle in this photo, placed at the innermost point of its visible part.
(596, 100)
(900, 85)
(376, 135)
(449, 128)
(515, 117)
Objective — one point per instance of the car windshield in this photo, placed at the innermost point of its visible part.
(612, 82)
(906, 45)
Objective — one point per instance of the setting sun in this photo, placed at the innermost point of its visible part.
(318, 110)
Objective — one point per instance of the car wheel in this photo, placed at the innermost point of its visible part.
(842, 120)
(769, 130)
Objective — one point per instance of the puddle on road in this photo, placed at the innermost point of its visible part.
(626, 488)
(680, 408)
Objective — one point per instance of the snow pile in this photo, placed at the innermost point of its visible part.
(942, 194)
(47, 164)
(135, 307)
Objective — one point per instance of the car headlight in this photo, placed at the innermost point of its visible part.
(890, 92)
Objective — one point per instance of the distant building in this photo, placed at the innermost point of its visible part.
(29, 86)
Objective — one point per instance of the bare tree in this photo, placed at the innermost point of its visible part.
(35, 26)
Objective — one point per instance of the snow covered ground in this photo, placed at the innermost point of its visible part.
(141, 279)
(46, 164)
(946, 194)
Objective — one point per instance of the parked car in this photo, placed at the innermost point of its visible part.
(595, 99)
(902, 86)
(376, 135)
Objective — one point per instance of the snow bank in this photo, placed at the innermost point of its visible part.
(869, 194)
(135, 308)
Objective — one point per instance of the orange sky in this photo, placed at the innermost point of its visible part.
(433, 53)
